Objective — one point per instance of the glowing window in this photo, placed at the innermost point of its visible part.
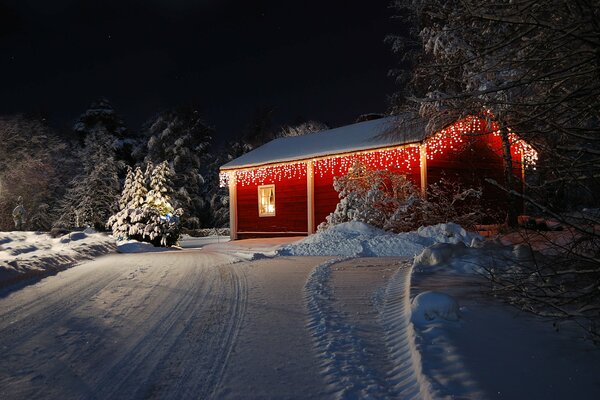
(266, 201)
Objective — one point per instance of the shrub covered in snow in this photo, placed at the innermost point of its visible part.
(390, 201)
(374, 197)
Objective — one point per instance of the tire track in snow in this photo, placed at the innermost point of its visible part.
(406, 376)
(124, 331)
(342, 351)
(196, 338)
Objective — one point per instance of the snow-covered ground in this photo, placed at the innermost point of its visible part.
(468, 344)
(32, 254)
(343, 314)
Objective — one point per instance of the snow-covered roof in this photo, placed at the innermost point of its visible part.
(366, 135)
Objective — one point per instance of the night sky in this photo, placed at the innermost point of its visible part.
(321, 60)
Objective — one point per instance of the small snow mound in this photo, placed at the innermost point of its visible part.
(69, 237)
(429, 306)
(133, 246)
(449, 233)
(440, 253)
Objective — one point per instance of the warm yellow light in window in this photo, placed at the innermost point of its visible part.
(266, 201)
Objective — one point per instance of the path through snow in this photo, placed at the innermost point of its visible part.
(202, 324)
(123, 326)
(360, 323)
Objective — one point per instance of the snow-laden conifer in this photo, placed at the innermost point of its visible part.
(146, 213)
(160, 192)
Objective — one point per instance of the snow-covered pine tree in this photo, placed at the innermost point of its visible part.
(126, 223)
(126, 193)
(147, 215)
(92, 196)
(219, 197)
(161, 189)
(162, 227)
(182, 138)
(139, 190)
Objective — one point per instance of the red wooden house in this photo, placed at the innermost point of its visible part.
(285, 187)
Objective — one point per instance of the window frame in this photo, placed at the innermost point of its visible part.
(260, 189)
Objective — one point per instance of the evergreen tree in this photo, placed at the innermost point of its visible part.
(182, 138)
(127, 194)
(93, 195)
(147, 215)
(160, 192)
(219, 197)
(302, 129)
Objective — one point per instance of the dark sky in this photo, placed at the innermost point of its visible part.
(322, 60)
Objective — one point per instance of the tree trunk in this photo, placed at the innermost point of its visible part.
(509, 178)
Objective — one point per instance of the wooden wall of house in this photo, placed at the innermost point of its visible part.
(290, 207)
(469, 164)
(326, 198)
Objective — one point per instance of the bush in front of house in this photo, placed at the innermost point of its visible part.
(391, 201)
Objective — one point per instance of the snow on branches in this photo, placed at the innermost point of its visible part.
(146, 213)
(390, 201)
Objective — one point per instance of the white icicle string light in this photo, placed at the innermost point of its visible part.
(402, 157)
(451, 138)
(455, 136)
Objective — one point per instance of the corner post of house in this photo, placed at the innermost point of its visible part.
(523, 170)
(233, 218)
(310, 197)
(423, 167)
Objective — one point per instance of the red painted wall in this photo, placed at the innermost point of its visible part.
(290, 205)
(470, 163)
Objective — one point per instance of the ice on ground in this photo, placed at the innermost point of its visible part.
(430, 305)
(357, 239)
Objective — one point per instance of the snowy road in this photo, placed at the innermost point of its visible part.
(193, 324)
(123, 326)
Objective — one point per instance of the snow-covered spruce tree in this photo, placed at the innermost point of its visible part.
(162, 220)
(219, 197)
(147, 215)
(182, 138)
(92, 196)
(132, 198)
(102, 117)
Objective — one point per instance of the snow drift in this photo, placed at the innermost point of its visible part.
(357, 239)
(34, 254)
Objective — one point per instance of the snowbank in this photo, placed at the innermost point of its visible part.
(28, 254)
(357, 239)
(430, 305)
(475, 259)
(134, 246)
